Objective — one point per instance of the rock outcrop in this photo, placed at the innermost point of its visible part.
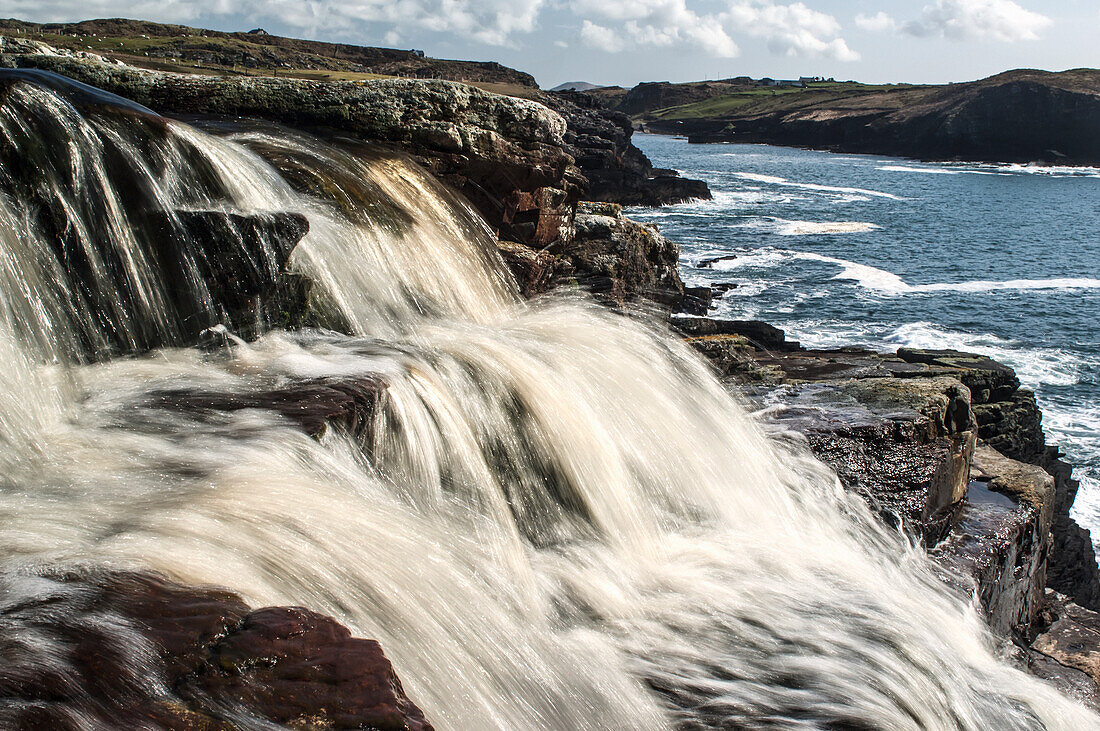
(506, 155)
(522, 163)
(618, 260)
(617, 171)
(99, 648)
(900, 430)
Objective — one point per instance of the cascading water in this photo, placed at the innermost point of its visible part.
(558, 519)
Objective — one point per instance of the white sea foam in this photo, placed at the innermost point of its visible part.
(775, 180)
(723, 204)
(869, 277)
(873, 278)
(758, 258)
(913, 169)
(1035, 366)
(981, 285)
(1086, 507)
(808, 228)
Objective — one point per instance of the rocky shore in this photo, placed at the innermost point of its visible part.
(1019, 116)
(945, 445)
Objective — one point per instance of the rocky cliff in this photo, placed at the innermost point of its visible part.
(524, 164)
(1017, 116)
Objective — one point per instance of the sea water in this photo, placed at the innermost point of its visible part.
(998, 259)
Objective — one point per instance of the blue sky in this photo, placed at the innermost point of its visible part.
(627, 41)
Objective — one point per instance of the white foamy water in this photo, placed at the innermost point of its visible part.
(775, 180)
(813, 228)
(914, 169)
(1034, 366)
(556, 517)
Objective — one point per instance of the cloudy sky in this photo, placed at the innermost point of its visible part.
(626, 41)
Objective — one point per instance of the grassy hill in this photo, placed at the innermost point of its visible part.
(194, 50)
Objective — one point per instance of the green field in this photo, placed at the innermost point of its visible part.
(766, 100)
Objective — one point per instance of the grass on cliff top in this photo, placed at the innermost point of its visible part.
(769, 100)
(136, 52)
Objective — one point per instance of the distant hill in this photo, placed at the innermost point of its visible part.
(180, 48)
(575, 86)
(1016, 116)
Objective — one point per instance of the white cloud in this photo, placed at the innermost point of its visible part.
(597, 36)
(707, 27)
(793, 29)
(876, 23)
(494, 22)
(1000, 20)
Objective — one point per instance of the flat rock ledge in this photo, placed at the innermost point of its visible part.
(100, 648)
(947, 446)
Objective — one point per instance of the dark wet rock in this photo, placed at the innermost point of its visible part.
(697, 300)
(1069, 680)
(1068, 651)
(894, 448)
(533, 269)
(304, 669)
(1014, 426)
(761, 334)
(1002, 542)
(315, 405)
(617, 171)
(1073, 567)
(727, 353)
(1008, 416)
(1010, 421)
(709, 263)
(987, 379)
(240, 260)
(620, 260)
(98, 648)
(904, 443)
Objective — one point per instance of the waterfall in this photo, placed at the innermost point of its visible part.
(557, 519)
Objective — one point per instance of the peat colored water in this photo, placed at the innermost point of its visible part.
(862, 250)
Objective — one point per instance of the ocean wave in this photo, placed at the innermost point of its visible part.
(1086, 508)
(873, 278)
(1056, 171)
(722, 204)
(775, 180)
(866, 276)
(808, 228)
(788, 227)
(756, 258)
(912, 169)
(981, 285)
(1035, 366)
